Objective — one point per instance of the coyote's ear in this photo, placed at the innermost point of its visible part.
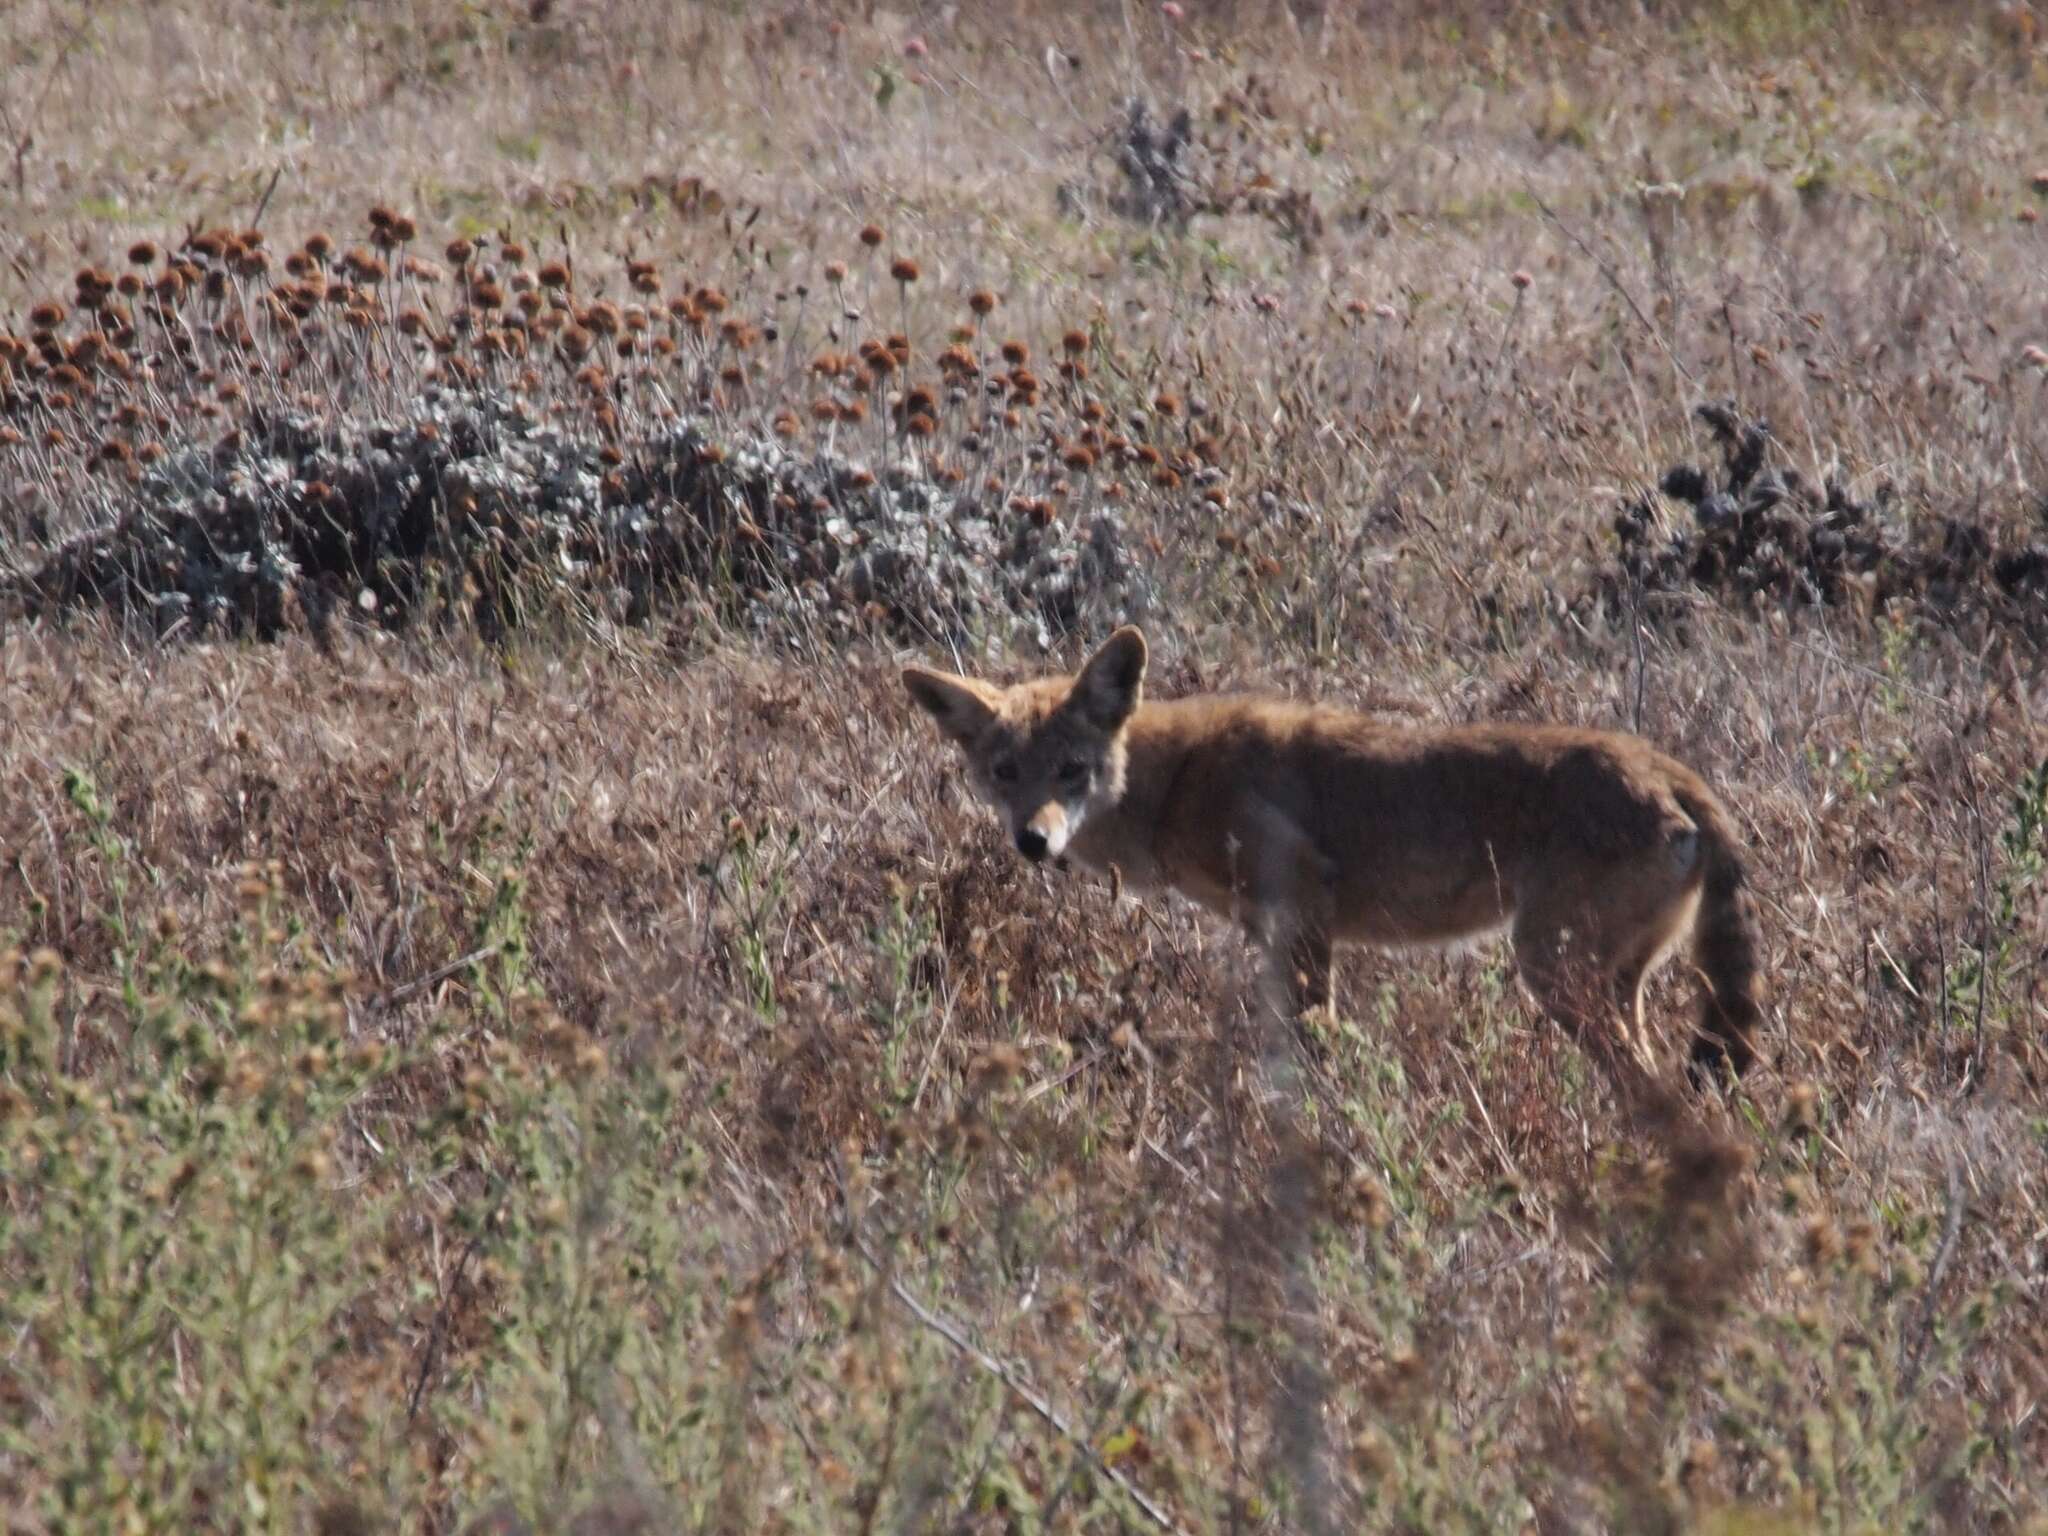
(961, 706)
(1107, 689)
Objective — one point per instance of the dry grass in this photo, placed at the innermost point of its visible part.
(506, 1083)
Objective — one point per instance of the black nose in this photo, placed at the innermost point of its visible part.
(1031, 843)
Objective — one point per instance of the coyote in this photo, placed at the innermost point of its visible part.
(1316, 826)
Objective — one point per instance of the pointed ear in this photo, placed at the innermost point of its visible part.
(961, 706)
(1108, 688)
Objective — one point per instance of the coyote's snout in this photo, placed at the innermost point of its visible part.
(1316, 826)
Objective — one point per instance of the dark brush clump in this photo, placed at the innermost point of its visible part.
(1767, 535)
(1158, 187)
(477, 501)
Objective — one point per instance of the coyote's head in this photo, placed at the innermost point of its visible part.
(1045, 753)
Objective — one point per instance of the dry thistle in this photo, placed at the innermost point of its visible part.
(1821, 1241)
(1802, 1109)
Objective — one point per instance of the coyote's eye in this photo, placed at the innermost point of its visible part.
(1004, 773)
(1073, 771)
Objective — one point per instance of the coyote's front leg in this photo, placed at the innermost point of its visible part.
(1291, 889)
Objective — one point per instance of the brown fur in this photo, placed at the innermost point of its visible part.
(1317, 826)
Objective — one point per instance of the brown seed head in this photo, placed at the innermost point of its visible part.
(1802, 1109)
(1821, 1241)
(903, 269)
(871, 235)
(365, 266)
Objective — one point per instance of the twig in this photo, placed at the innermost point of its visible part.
(23, 134)
(1613, 280)
(439, 1332)
(263, 202)
(1635, 625)
(955, 1335)
(1951, 1230)
(439, 974)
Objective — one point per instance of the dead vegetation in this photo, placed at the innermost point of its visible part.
(543, 1043)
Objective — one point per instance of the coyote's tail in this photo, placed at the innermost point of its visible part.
(1724, 947)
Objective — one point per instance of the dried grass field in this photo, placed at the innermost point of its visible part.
(509, 1022)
